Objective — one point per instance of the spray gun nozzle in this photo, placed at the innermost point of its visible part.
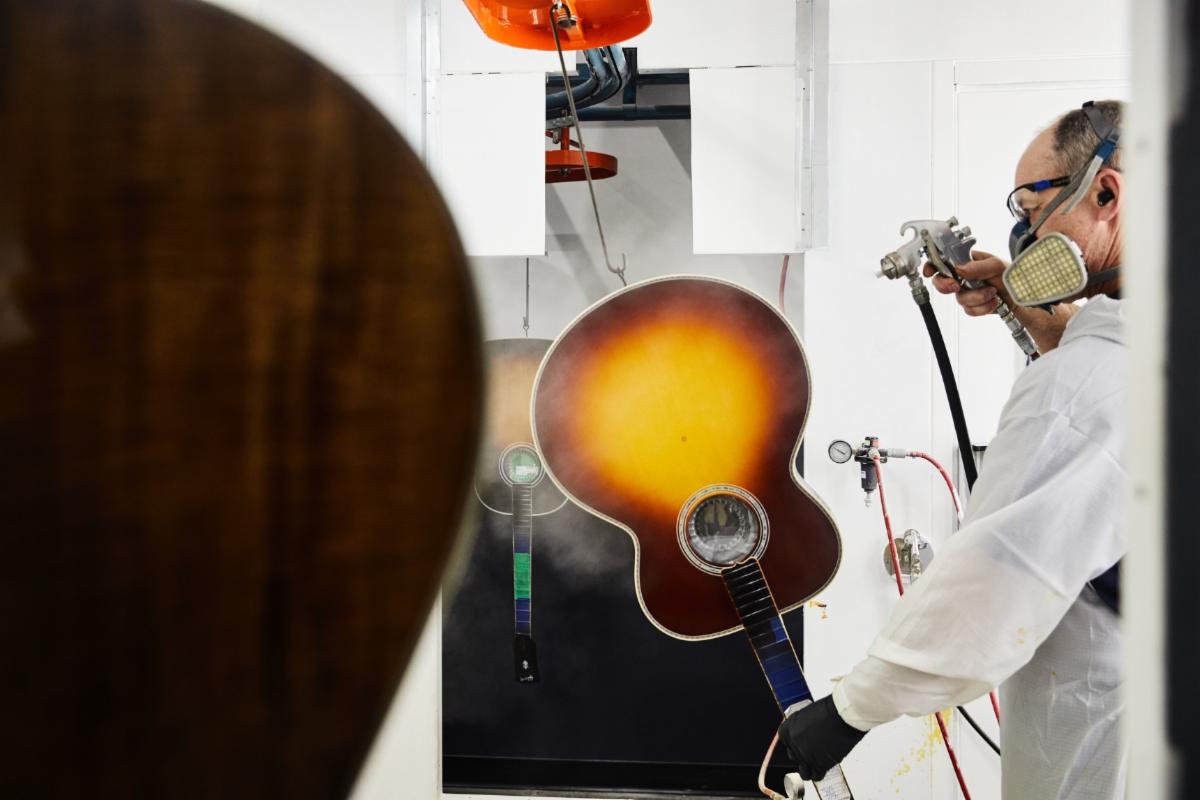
(893, 266)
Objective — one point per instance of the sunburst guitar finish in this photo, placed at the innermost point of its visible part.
(675, 409)
(511, 365)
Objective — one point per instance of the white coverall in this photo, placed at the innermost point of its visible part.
(1007, 600)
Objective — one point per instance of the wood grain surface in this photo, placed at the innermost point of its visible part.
(240, 383)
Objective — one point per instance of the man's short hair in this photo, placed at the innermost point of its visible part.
(1075, 141)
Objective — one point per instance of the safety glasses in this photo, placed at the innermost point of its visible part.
(1024, 197)
(1074, 187)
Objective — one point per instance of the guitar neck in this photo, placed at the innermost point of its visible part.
(756, 607)
(773, 647)
(522, 527)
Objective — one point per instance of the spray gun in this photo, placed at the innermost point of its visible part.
(946, 246)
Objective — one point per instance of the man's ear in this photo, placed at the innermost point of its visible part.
(1111, 195)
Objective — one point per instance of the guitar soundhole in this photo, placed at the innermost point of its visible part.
(721, 526)
(520, 465)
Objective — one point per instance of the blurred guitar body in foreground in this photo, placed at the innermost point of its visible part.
(240, 388)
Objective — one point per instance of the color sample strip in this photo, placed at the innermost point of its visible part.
(522, 584)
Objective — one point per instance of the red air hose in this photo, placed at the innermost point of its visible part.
(945, 476)
(962, 782)
(887, 522)
(762, 773)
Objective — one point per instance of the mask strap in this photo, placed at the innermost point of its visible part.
(1077, 189)
(1103, 276)
(1085, 183)
(1105, 131)
(1109, 136)
(1069, 190)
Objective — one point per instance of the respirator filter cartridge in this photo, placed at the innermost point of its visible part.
(1048, 271)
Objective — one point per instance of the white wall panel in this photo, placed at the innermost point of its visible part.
(490, 160)
(354, 37)
(362, 40)
(718, 33)
(745, 190)
(1102, 70)
(386, 92)
(466, 49)
(884, 30)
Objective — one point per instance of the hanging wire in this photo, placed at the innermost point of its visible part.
(587, 170)
(525, 319)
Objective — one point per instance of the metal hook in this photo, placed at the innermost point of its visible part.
(525, 319)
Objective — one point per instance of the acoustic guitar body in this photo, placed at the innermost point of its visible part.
(675, 409)
(511, 366)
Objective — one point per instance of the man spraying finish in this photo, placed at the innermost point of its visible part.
(1024, 595)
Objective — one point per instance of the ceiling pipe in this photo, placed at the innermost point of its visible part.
(607, 65)
(590, 76)
(607, 71)
(634, 113)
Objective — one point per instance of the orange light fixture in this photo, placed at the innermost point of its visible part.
(565, 164)
(583, 24)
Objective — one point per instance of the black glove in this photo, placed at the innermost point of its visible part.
(817, 738)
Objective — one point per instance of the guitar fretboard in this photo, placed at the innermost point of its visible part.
(756, 607)
(760, 616)
(522, 496)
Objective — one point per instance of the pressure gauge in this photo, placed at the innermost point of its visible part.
(722, 526)
(520, 465)
(840, 452)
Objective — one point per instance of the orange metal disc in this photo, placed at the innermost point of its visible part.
(526, 23)
(567, 165)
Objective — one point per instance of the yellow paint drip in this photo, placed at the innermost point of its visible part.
(933, 738)
(672, 406)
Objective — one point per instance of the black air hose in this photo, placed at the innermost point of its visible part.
(956, 410)
(960, 432)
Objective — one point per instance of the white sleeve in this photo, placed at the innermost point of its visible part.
(878, 691)
(1043, 521)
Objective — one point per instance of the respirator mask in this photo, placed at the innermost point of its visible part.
(1051, 269)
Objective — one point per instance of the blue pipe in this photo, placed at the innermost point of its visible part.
(596, 69)
(634, 113)
(608, 74)
(643, 79)
(614, 81)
